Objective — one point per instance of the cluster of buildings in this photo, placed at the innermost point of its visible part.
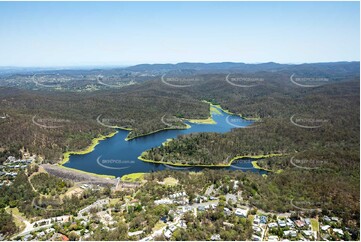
(97, 205)
(287, 228)
(10, 169)
(44, 229)
(179, 198)
(266, 227)
(168, 232)
(331, 227)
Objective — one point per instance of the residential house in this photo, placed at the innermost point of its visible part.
(215, 237)
(308, 234)
(290, 233)
(256, 238)
(300, 223)
(167, 234)
(272, 238)
(324, 228)
(241, 212)
(338, 231)
(281, 223)
(272, 225)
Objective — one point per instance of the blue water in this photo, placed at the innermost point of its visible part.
(117, 157)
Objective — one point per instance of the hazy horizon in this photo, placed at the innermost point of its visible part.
(156, 63)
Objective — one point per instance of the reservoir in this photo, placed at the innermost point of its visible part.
(116, 157)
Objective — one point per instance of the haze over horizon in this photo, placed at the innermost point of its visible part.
(66, 34)
(90, 66)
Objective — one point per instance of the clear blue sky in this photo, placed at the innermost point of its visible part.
(121, 33)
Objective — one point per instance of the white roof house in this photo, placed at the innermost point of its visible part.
(281, 223)
(272, 238)
(163, 201)
(338, 231)
(292, 233)
(241, 212)
(308, 233)
(325, 227)
(172, 228)
(272, 225)
(167, 234)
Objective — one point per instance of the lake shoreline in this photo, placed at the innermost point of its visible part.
(213, 110)
(208, 120)
(254, 163)
(230, 113)
(156, 131)
(88, 149)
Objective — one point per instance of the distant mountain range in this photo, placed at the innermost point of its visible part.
(232, 66)
(201, 68)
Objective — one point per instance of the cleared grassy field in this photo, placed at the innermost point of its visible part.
(133, 177)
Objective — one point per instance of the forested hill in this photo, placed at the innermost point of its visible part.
(141, 106)
(324, 95)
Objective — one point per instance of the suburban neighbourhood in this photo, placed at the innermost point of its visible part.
(105, 214)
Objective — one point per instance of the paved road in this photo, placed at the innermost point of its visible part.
(28, 226)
